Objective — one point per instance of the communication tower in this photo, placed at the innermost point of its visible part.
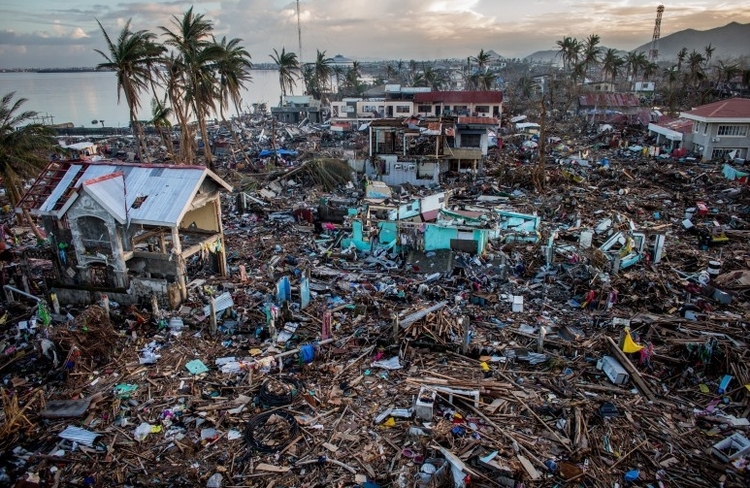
(653, 53)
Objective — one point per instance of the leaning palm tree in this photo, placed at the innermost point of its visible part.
(131, 58)
(323, 71)
(487, 80)
(481, 59)
(288, 66)
(24, 149)
(191, 37)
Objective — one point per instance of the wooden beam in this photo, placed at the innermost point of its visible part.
(637, 378)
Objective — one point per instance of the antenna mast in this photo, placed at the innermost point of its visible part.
(299, 34)
(653, 53)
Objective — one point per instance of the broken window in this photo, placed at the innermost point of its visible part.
(403, 109)
(94, 235)
(483, 109)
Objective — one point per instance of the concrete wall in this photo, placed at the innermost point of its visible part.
(705, 135)
(140, 291)
(84, 207)
(400, 172)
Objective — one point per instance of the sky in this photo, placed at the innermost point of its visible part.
(64, 33)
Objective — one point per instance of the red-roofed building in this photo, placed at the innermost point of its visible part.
(721, 129)
(672, 133)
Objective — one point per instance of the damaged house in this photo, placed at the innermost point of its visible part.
(417, 150)
(127, 230)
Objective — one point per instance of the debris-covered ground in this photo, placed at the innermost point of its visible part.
(607, 346)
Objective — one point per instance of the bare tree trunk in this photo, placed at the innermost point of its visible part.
(200, 113)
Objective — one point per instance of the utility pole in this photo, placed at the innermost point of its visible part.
(299, 35)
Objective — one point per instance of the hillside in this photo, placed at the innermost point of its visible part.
(730, 41)
(553, 55)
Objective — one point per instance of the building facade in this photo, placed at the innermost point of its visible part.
(721, 130)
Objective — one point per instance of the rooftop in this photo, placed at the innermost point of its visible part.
(733, 108)
(450, 97)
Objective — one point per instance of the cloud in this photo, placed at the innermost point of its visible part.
(362, 29)
(75, 36)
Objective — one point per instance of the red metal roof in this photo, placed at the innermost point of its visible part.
(732, 108)
(453, 97)
(684, 126)
(609, 100)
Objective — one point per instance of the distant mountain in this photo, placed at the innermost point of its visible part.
(548, 56)
(730, 41)
(553, 55)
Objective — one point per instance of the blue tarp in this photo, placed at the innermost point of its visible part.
(280, 152)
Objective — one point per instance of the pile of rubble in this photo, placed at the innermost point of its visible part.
(593, 335)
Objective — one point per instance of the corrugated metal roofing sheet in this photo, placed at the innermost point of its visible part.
(610, 100)
(167, 189)
(477, 120)
(109, 191)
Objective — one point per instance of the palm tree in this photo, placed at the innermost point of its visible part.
(611, 63)
(487, 80)
(173, 77)
(526, 87)
(24, 149)
(352, 77)
(709, 51)
(338, 72)
(570, 50)
(671, 76)
(131, 58)
(430, 77)
(590, 52)
(390, 72)
(482, 59)
(310, 81)
(160, 115)
(681, 57)
(192, 38)
(233, 69)
(323, 71)
(634, 62)
(288, 66)
(725, 72)
(650, 69)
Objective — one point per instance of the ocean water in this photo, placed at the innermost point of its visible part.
(81, 98)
